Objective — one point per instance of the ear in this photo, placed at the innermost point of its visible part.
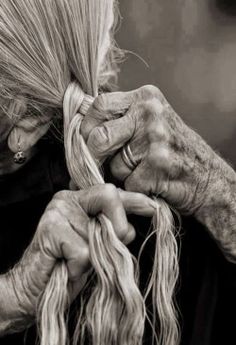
(26, 133)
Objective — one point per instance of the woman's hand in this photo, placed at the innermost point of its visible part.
(62, 234)
(171, 160)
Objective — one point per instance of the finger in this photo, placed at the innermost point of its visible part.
(142, 180)
(160, 164)
(58, 240)
(143, 177)
(76, 286)
(106, 139)
(113, 105)
(67, 204)
(105, 199)
(150, 141)
(119, 168)
(130, 235)
(106, 107)
(76, 253)
(178, 195)
(90, 202)
(137, 203)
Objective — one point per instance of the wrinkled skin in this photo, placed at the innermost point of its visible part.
(173, 161)
(62, 234)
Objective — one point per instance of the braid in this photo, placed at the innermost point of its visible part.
(51, 50)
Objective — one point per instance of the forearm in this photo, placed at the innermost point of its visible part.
(12, 319)
(218, 212)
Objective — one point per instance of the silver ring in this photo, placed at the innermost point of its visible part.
(128, 158)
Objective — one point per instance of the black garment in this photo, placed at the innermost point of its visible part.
(24, 196)
(207, 287)
(206, 292)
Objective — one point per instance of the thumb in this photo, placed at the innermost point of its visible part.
(106, 139)
(137, 203)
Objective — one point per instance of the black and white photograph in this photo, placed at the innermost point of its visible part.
(117, 172)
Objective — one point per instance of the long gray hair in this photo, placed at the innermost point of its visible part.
(51, 53)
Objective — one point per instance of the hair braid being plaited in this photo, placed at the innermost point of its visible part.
(52, 52)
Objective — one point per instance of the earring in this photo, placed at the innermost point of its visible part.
(19, 156)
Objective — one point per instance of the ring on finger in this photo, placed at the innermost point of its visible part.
(128, 158)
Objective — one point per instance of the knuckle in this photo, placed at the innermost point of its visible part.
(53, 216)
(110, 192)
(80, 262)
(49, 224)
(153, 106)
(163, 154)
(57, 205)
(157, 132)
(61, 195)
(159, 157)
(151, 110)
(50, 232)
(151, 91)
(82, 255)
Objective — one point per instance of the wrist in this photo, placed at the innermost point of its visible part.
(218, 210)
(12, 316)
(220, 188)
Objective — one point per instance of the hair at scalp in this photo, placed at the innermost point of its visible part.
(52, 53)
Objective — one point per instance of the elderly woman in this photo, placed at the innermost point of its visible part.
(152, 151)
(35, 75)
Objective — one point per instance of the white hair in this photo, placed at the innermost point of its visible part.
(51, 53)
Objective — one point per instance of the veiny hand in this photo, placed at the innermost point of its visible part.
(172, 160)
(62, 234)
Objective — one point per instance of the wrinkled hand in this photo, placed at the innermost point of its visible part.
(62, 234)
(172, 160)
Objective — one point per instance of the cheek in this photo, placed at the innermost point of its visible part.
(6, 125)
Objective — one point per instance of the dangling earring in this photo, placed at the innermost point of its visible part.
(19, 156)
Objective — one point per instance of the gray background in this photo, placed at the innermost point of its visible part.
(190, 47)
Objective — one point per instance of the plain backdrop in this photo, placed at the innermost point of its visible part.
(190, 49)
